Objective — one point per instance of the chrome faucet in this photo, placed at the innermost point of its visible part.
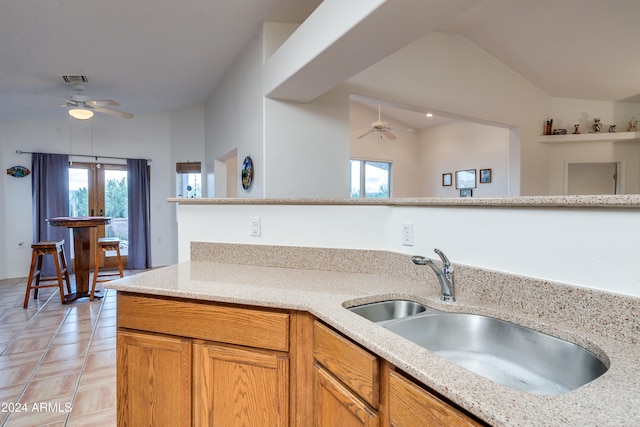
(445, 275)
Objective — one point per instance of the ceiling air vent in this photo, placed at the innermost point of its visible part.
(75, 79)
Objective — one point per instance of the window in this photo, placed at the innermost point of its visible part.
(370, 179)
(188, 182)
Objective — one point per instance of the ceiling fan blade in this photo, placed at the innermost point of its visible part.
(113, 112)
(45, 106)
(359, 131)
(103, 103)
(388, 134)
(403, 129)
(365, 134)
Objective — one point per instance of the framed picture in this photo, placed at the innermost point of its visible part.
(485, 176)
(466, 179)
(467, 192)
(446, 179)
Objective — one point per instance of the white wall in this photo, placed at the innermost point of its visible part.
(234, 118)
(447, 73)
(187, 145)
(307, 147)
(459, 145)
(567, 112)
(420, 158)
(160, 137)
(297, 149)
(594, 248)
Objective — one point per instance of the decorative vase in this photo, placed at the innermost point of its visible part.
(576, 131)
(613, 128)
(597, 126)
(547, 129)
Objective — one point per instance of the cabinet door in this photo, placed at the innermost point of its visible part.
(235, 386)
(335, 405)
(412, 406)
(153, 380)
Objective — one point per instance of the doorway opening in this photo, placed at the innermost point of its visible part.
(592, 178)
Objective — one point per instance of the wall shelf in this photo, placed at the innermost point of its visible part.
(590, 137)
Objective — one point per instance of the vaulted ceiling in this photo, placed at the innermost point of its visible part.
(164, 55)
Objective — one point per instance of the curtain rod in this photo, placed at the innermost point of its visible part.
(83, 155)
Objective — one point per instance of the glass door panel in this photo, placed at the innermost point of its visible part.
(101, 190)
(116, 204)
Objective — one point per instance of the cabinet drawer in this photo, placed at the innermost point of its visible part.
(411, 405)
(240, 325)
(354, 366)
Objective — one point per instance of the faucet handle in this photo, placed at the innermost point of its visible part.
(419, 260)
(445, 260)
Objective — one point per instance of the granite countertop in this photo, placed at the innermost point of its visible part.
(611, 400)
(599, 201)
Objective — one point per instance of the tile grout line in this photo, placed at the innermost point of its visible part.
(17, 335)
(86, 356)
(35, 369)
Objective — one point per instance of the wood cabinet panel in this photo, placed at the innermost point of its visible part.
(239, 387)
(336, 405)
(350, 363)
(153, 380)
(412, 406)
(261, 328)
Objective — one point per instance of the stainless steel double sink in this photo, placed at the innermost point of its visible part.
(507, 353)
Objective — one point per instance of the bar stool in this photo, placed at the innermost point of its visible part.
(105, 244)
(41, 249)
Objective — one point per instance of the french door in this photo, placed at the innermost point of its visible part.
(98, 189)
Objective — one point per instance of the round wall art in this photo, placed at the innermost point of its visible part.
(247, 172)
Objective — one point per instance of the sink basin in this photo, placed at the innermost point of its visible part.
(510, 354)
(388, 310)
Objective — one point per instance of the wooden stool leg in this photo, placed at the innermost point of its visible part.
(37, 275)
(96, 269)
(32, 271)
(56, 261)
(63, 258)
(119, 262)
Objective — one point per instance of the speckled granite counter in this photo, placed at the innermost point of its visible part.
(601, 201)
(324, 281)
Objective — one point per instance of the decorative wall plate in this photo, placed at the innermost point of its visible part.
(247, 172)
(18, 171)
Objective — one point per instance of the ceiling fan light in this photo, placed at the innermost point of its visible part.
(81, 113)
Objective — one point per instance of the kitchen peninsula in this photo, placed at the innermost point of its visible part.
(307, 287)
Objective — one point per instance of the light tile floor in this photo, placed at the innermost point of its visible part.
(57, 362)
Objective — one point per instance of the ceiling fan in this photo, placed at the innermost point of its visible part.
(82, 107)
(378, 126)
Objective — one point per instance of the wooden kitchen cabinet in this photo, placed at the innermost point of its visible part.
(345, 381)
(239, 386)
(184, 362)
(154, 380)
(412, 406)
(353, 387)
(336, 405)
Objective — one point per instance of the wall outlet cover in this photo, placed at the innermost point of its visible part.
(407, 234)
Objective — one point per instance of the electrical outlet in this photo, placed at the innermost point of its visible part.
(407, 234)
(254, 226)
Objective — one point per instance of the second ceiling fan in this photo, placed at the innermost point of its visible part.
(378, 126)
